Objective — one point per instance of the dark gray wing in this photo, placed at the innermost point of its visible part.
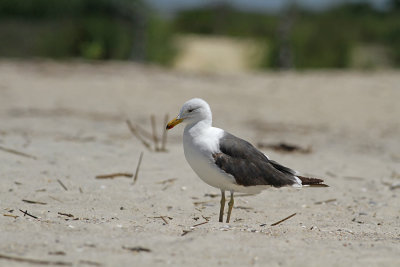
(249, 166)
(282, 168)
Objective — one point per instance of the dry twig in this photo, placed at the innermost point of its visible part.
(56, 199)
(185, 232)
(26, 213)
(58, 252)
(62, 185)
(281, 221)
(15, 152)
(10, 215)
(205, 218)
(34, 202)
(163, 218)
(137, 135)
(34, 261)
(167, 181)
(137, 249)
(243, 208)
(325, 201)
(113, 175)
(202, 202)
(144, 132)
(65, 214)
(200, 224)
(137, 168)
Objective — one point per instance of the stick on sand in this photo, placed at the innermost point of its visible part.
(113, 175)
(137, 168)
(137, 135)
(34, 261)
(15, 152)
(281, 221)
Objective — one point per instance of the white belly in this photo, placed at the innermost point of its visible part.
(198, 152)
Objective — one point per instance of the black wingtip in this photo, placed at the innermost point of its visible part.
(318, 185)
(312, 182)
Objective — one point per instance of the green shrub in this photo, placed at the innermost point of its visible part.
(90, 29)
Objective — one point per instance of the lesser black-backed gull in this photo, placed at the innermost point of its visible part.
(227, 162)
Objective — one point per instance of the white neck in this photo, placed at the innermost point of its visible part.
(198, 127)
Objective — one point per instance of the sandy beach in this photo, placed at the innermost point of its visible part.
(62, 124)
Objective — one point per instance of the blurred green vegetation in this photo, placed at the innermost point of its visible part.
(310, 39)
(90, 29)
(130, 30)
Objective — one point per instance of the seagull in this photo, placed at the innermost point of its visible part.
(227, 162)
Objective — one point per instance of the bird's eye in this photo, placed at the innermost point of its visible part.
(190, 110)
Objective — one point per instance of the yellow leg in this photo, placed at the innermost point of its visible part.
(221, 211)
(230, 205)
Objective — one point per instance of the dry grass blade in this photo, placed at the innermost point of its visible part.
(206, 218)
(281, 221)
(325, 201)
(113, 175)
(167, 181)
(144, 132)
(137, 135)
(163, 218)
(62, 185)
(137, 168)
(15, 152)
(26, 213)
(202, 202)
(58, 252)
(137, 249)
(154, 132)
(200, 224)
(34, 202)
(56, 199)
(65, 214)
(34, 261)
(164, 135)
(10, 215)
(243, 208)
(185, 232)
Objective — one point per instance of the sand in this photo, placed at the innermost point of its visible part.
(69, 120)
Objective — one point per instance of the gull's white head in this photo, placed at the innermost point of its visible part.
(192, 111)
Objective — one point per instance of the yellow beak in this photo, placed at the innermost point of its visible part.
(173, 122)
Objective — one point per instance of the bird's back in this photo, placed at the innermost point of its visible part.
(250, 166)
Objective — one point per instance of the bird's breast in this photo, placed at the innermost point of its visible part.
(198, 153)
